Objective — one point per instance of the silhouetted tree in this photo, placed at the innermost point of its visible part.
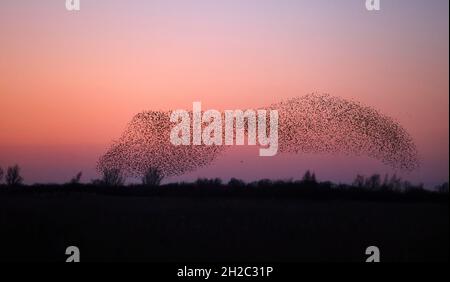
(217, 182)
(205, 182)
(152, 177)
(407, 186)
(385, 184)
(1, 174)
(113, 177)
(313, 177)
(264, 183)
(309, 178)
(76, 180)
(236, 183)
(395, 183)
(373, 182)
(359, 181)
(13, 177)
(443, 188)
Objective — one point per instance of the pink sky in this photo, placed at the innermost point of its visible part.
(70, 82)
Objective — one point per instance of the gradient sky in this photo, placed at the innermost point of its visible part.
(70, 81)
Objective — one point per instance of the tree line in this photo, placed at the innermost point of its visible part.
(153, 177)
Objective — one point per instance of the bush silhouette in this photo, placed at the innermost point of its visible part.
(152, 177)
(236, 183)
(112, 177)
(204, 182)
(13, 177)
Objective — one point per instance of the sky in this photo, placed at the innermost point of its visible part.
(71, 81)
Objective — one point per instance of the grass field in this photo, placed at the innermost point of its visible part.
(157, 228)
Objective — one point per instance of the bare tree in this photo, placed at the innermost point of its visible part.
(1, 174)
(76, 180)
(373, 182)
(13, 177)
(395, 183)
(152, 177)
(443, 188)
(309, 177)
(313, 177)
(113, 177)
(359, 181)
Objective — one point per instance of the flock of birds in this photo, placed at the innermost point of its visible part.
(315, 123)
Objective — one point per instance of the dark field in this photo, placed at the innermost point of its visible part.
(160, 227)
